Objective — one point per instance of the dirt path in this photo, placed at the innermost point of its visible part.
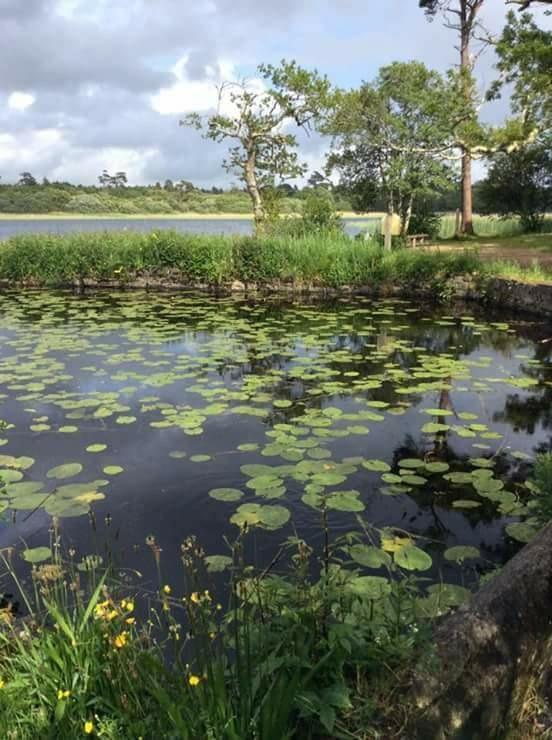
(538, 249)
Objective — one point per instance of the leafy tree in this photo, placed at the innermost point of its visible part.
(256, 124)
(25, 178)
(525, 63)
(462, 16)
(318, 180)
(520, 183)
(392, 138)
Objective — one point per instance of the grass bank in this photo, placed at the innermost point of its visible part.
(332, 261)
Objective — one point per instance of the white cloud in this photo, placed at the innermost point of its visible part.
(187, 95)
(20, 100)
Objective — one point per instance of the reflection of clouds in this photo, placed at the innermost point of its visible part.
(162, 346)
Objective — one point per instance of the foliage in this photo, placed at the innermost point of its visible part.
(261, 148)
(520, 183)
(424, 220)
(286, 659)
(330, 259)
(390, 137)
(542, 479)
(525, 62)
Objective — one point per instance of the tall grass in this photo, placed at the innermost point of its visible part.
(334, 260)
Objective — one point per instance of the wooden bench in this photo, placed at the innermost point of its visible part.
(412, 240)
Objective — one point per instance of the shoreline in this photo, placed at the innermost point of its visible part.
(61, 216)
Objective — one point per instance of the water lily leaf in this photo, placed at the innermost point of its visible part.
(411, 463)
(437, 467)
(36, 555)
(200, 458)
(371, 587)
(411, 557)
(226, 494)
(282, 404)
(369, 556)
(345, 501)
(328, 479)
(68, 470)
(376, 466)
(459, 553)
(96, 448)
(521, 531)
(247, 515)
(11, 476)
(273, 517)
(249, 447)
(465, 504)
(218, 563)
(435, 428)
(113, 469)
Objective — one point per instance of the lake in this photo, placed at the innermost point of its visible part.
(11, 227)
(130, 415)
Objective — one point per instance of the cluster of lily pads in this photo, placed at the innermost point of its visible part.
(306, 377)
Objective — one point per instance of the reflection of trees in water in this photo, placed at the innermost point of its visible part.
(524, 411)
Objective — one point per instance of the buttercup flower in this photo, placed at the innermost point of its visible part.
(121, 640)
(194, 680)
(88, 727)
(63, 694)
(167, 590)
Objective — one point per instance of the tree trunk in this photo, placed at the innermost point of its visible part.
(466, 30)
(259, 214)
(492, 653)
(467, 202)
(407, 215)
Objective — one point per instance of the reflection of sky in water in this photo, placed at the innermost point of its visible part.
(169, 498)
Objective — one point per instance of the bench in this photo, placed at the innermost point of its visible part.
(412, 240)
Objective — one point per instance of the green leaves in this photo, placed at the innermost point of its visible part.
(68, 470)
(226, 494)
(410, 557)
(37, 555)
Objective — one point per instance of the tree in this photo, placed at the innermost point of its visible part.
(318, 180)
(25, 178)
(119, 180)
(392, 138)
(520, 183)
(525, 4)
(462, 16)
(255, 122)
(525, 63)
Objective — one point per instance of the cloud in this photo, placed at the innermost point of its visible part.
(85, 85)
(20, 100)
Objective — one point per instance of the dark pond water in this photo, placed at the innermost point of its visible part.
(148, 409)
(199, 226)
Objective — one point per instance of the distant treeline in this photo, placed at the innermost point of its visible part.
(116, 196)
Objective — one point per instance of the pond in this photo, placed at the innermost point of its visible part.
(131, 415)
(12, 227)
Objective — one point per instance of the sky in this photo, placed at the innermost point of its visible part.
(87, 86)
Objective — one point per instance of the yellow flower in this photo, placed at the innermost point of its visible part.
(167, 590)
(194, 680)
(2, 683)
(130, 620)
(129, 606)
(195, 597)
(88, 727)
(121, 640)
(63, 694)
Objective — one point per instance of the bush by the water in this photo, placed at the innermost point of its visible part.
(326, 259)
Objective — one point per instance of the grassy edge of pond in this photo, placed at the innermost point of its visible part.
(312, 651)
(325, 260)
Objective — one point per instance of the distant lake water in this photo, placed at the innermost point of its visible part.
(11, 227)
